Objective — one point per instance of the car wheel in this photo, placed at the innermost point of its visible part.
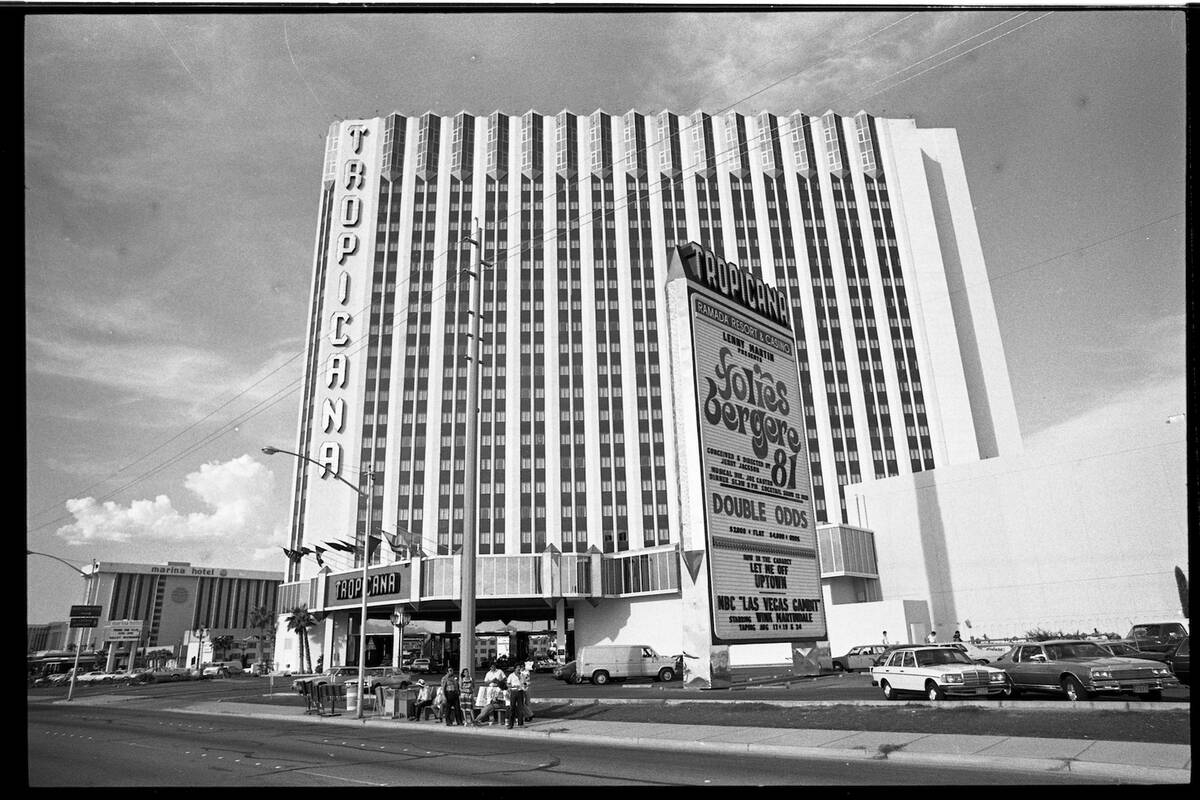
(175, 676)
(1010, 691)
(599, 677)
(934, 692)
(1073, 689)
(888, 692)
(838, 667)
(577, 679)
(665, 674)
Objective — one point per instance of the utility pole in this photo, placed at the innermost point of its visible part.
(466, 647)
(362, 633)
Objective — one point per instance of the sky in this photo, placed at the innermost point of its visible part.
(172, 167)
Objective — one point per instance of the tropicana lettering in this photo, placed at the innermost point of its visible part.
(349, 216)
(351, 588)
(704, 266)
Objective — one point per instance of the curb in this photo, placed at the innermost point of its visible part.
(944, 705)
(1127, 772)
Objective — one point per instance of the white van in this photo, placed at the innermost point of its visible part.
(604, 662)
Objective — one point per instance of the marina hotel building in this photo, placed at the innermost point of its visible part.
(865, 223)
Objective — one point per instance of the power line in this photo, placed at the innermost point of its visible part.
(593, 217)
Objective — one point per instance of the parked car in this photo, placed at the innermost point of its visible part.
(861, 657)
(375, 676)
(424, 665)
(887, 650)
(546, 664)
(1079, 668)
(605, 662)
(95, 676)
(222, 669)
(936, 671)
(1180, 661)
(568, 672)
(1160, 636)
(977, 654)
(173, 674)
(1127, 648)
(144, 675)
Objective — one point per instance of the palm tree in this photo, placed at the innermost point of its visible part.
(262, 619)
(156, 658)
(221, 645)
(300, 619)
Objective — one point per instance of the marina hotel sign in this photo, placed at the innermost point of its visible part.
(760, 528)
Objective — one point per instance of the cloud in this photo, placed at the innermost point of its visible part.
(238, 492)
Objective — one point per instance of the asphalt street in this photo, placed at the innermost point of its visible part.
(89, 746)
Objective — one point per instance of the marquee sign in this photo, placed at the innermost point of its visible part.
(124, 630)
(389, 584)
(760, 528)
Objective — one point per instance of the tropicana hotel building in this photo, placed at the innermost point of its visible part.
(865, 224)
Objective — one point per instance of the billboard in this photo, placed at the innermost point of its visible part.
(764, 579)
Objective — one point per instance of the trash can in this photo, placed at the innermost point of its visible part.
(351, 696)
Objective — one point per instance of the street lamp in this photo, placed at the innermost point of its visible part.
(78, 636)
(362, 646)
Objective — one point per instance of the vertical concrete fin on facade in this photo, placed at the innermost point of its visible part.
(951, 426)
(982, 351)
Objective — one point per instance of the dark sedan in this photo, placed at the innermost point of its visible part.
(1127, 648)
(1079, 669)
(1180, 661)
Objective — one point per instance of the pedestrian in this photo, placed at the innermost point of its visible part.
(932, 637)
(439, 703)
(518, 683)
(321, 663)
(957, 636)
(495, 673)
(425, 697)
(493, 697)
(450, 689)
(885, 639)
(466, 683)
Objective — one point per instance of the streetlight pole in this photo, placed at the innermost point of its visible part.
(466, 648)
(79, 635)
(362, 646)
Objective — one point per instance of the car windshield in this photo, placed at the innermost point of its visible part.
(929, 658)
(1058, 652)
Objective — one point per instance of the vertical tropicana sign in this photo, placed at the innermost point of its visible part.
(759, 531)
(347, 249)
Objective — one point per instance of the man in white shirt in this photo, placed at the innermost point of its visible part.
(932, 637)
(518, 684)
(494, 674)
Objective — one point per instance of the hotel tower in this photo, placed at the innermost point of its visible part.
(865, 223)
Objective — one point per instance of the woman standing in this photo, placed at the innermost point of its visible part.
(467, 683)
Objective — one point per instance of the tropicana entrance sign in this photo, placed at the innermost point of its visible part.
(747, 521)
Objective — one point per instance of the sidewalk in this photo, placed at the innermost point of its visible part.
(1120, 761)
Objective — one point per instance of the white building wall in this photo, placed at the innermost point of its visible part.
(1057, 540)
(653, 620)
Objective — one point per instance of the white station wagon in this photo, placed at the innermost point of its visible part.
(936, 671)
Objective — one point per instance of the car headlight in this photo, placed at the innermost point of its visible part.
(953, 677)
(1101, 673)
(998, 677)
(1162, 671)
